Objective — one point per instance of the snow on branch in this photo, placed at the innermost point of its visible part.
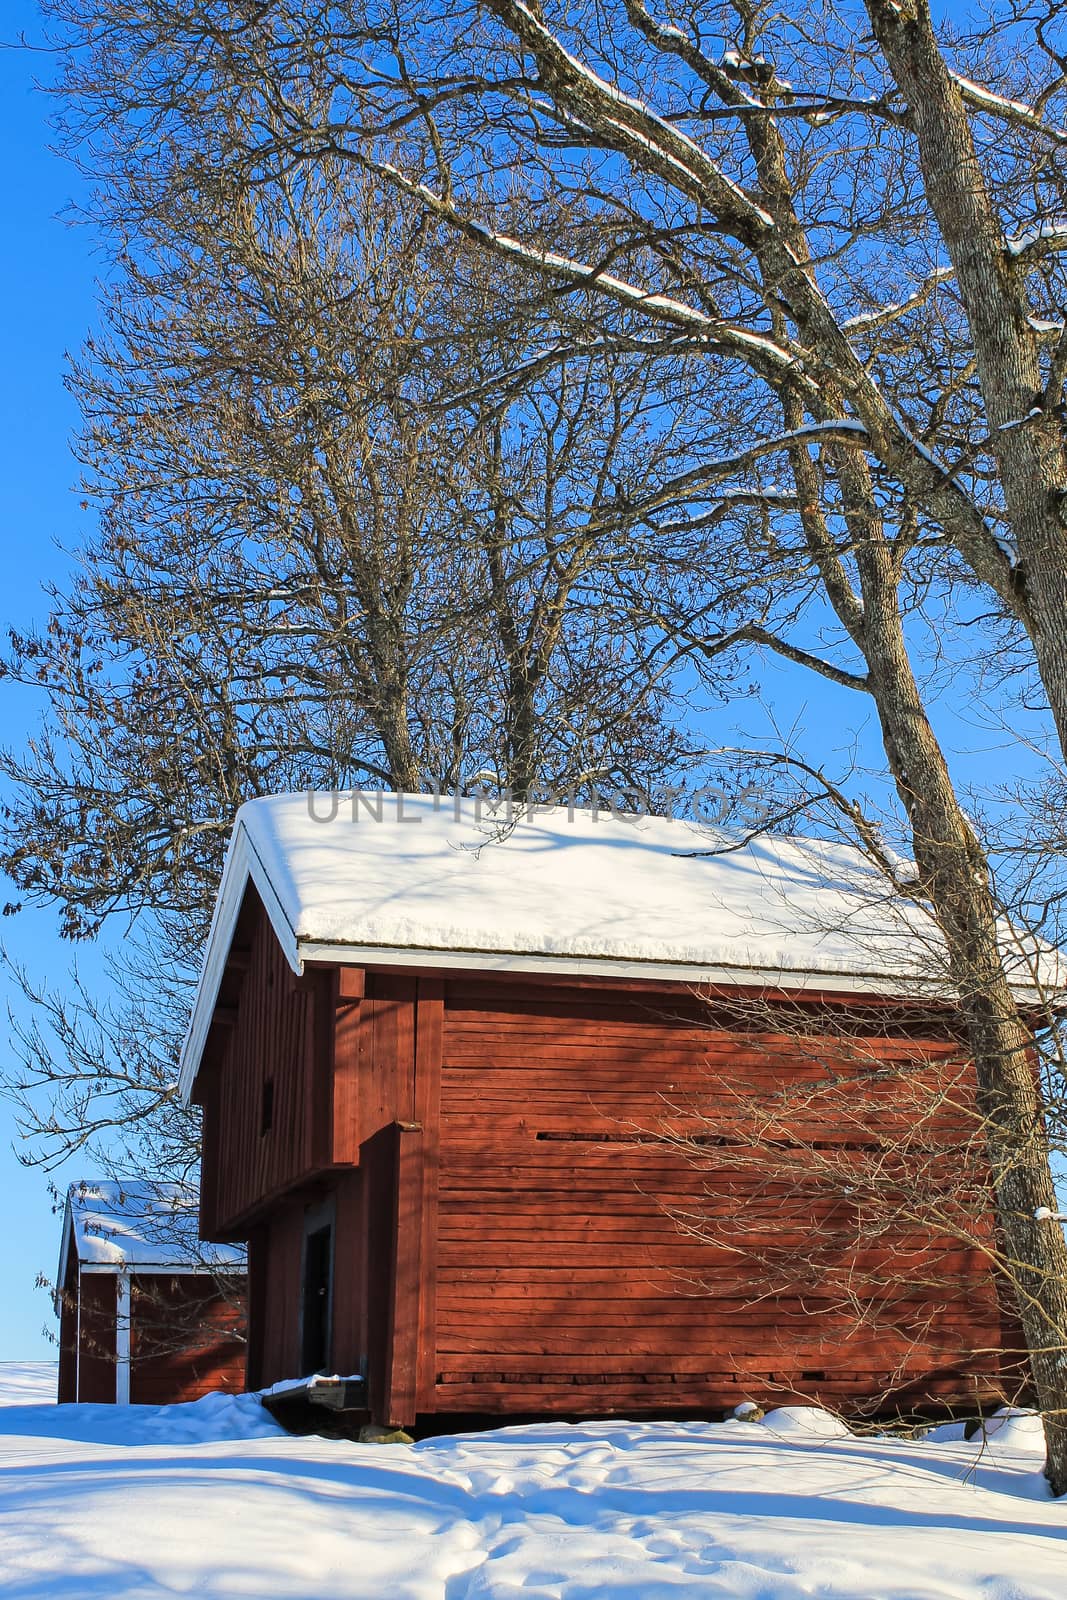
(723, 334)
(630, 123)
(868, 320)
(728, 75)
(1015, 111)
(1043, 240)
(716, 334)
(1047, 329)
(673, 41)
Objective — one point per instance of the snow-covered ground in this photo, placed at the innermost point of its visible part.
(211, 1499)
(28, 1383)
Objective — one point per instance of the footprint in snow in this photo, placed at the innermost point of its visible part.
(593, 1456)
(497, 1483)
(666, 1544)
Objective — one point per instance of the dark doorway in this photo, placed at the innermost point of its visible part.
(318, 1272)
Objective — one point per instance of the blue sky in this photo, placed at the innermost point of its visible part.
(46, 307)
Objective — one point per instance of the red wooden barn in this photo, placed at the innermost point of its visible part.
(432, 1054)
(148, 1315)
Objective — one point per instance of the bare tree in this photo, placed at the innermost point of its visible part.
(771, 188)
(308, 574)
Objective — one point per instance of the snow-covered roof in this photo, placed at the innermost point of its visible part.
(138, 1227)
(428, 880)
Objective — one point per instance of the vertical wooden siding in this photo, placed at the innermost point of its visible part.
(258, 1284)
(68, 1334)
(96, 1350)
(372, 1170)
(340, 1057)
(562, 1283)
(185, 1339)
(390, 1222)
(276, 1340)
(273, 1039)
(68, 1354)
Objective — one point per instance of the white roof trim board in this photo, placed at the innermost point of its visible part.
(426, 880)
(140, 1227)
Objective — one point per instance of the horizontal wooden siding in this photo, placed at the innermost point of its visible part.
(563, 1279)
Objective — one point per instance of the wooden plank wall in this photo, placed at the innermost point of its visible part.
(276, 1347)
(563, 1284)
(429, 1048)
(273, 1038)
(96, 1358)
(68, 1354)
(186, 1339)
(386, 1052)
(68, 1335)
(341, 1058)
(392, 1198)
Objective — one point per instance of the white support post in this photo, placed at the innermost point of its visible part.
(78, 1342)
(122, 1339)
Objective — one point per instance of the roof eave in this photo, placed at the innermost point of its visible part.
(545, 963)
(882, 982)
(165, 1269)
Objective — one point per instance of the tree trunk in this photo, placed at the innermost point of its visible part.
(955, 875)
(1025, 433)
(395, 735)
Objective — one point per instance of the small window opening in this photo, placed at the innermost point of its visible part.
(266, 1106)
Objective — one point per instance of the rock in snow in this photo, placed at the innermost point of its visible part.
(806, 1422)
(212, 1499)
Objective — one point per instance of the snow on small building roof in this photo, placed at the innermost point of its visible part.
(361, 878)
(138, 1227)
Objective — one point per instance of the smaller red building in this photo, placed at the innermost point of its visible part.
(148, 1315)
